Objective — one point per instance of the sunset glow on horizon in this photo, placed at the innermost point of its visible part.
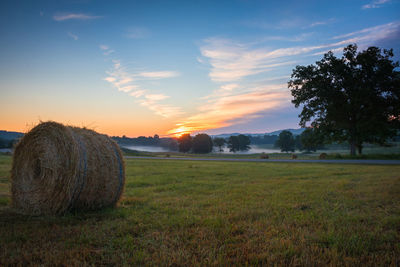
(172, 67)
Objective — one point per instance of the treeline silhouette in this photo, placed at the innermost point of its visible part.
(203, 143)
(165, 142)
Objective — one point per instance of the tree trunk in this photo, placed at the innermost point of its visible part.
(352, 149)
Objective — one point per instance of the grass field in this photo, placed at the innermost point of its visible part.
(176, 213)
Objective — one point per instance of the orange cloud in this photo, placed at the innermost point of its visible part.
(235, 108)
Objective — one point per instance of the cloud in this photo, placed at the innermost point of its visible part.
(137, 93)
(224, 90)
(73, 36)
(127, 82)
(159, 74)
(376, 32)
(166, 111)
(296, 38)
(155, 97)
(233, 61)
(137, 33)
(321, 22)
(74, 16)
(317, 23)
(235, 108)
(375, 4)
(106, 49)
(120, 78)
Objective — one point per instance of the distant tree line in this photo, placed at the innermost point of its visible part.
(168, 143)
(203, 143)
(6, 143)
(309, 140)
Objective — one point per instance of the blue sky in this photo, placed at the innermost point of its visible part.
(146, 67)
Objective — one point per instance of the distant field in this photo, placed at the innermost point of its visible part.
(179, 213)
(300, 155)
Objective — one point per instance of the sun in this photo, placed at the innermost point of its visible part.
(178, 132)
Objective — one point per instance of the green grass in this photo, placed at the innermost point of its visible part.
(179, 213)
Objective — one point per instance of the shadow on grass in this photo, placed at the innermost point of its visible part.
(9, 215)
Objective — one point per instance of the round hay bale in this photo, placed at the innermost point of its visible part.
(323, 156)
(57, 168)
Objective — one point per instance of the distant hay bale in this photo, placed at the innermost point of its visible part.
(57, 168)
(323, 156)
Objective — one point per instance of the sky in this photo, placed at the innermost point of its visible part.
(169, 67)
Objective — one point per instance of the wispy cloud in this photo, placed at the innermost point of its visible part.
(138, 33)
(151, 101)
(320, 22)
(232, 61)
(74, 16)
(159, 74)
(375, 4)
(128, 82)
(121, 79)
(106, 49)
(166, 111)
(224, 90)
(73, 36)
(317, 23)
(376, 32)
(296, 38)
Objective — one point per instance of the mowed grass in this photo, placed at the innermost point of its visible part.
(180, 213)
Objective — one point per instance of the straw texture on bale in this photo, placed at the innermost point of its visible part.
(57, 168)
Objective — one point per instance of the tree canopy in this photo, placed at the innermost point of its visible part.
(219, 142)
(286, 141)
(239, 143)
(202, 143)
(310, 140)
(233, 143)
(354, 98)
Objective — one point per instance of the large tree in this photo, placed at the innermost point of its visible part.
(202, 143)
(238, 143)
(354, 98)
(219, 142)
(233, 143)
(310, 140)
(285, 141)
(244, 142)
